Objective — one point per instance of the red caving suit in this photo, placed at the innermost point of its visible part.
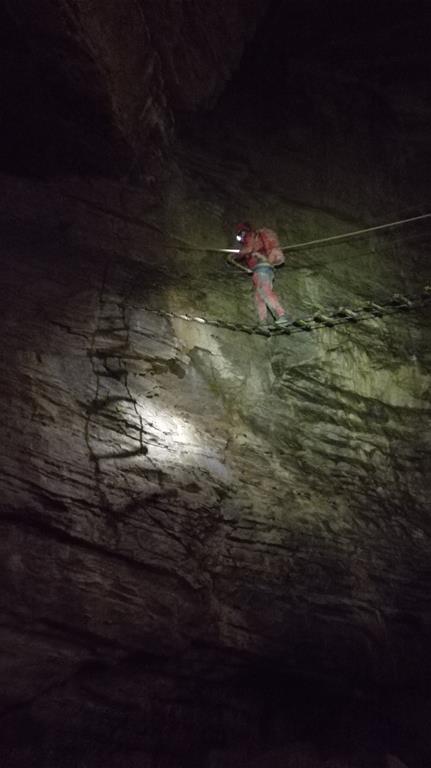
(261, 252)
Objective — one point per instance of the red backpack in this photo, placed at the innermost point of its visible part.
(271, 246)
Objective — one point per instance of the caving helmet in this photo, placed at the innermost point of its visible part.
(241, 230)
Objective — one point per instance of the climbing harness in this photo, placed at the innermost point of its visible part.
(341, 316)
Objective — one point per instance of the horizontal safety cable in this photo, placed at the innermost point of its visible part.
(329, 319)
(181, 246)
(354, 233)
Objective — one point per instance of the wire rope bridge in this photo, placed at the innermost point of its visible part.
(341, 316)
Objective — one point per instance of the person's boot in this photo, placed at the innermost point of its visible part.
(282, 321)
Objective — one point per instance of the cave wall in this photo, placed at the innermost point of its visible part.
(211, 541)
(182, 503)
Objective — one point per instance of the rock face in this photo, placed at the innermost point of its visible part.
(215, 545)
(182, 503)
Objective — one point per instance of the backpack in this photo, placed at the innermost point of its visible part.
(271, 247)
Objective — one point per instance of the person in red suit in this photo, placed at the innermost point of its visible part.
(261, 252)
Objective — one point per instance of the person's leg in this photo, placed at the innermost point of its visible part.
(268, 295)
(262, 311)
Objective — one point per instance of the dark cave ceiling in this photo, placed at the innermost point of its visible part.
(99, 87)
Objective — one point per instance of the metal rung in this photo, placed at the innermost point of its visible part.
(305, 325)
(375, 309)
(399, 300)
(325, 319)
(347, 313)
